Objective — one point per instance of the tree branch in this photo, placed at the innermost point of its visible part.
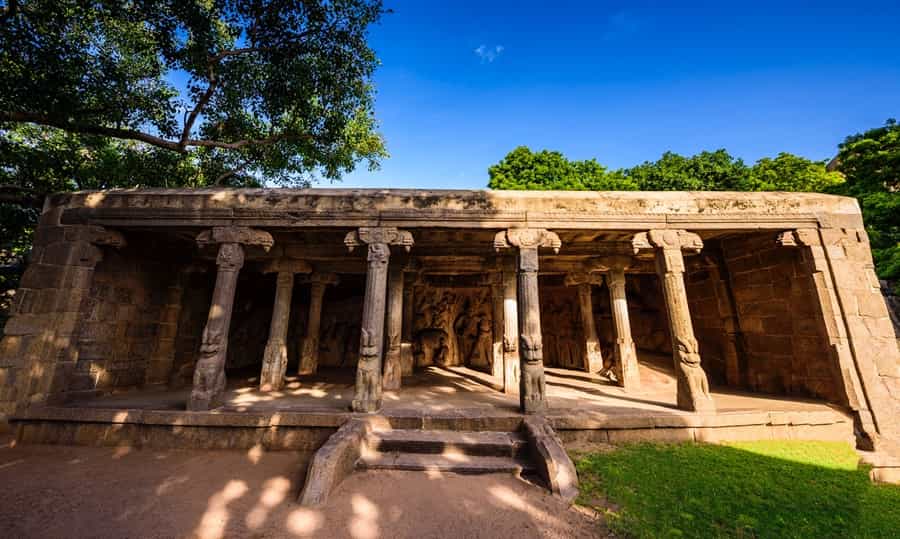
(89, 129)
(129, 134)
(201, 103)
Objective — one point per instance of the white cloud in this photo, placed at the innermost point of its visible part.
(488, 53)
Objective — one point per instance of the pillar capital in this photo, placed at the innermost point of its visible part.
(666, 239)
(527, 238)
(321, 278)
(236, 234)
(286, 265)
(383, 235)
(96, 235)
(583, 277)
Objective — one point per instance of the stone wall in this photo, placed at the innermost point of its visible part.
(123, 327)
(783, 346)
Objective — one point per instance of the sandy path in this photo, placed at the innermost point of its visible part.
(57, 491)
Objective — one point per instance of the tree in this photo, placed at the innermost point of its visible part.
(276, 89)
(706, 171)
(547, 170)
(870, 161)
(788, 172)
(171, 93)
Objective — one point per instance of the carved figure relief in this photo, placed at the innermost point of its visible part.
(453, 326)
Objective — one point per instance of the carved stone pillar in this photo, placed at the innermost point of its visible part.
(667, 246)
(591, 353)
(392, 366)
(275, 356)
(511, 368)
(209, 372)
(368, 373)
(532, 385)
(407, 361)
(626, 364)
(309, 355)
(497, 367)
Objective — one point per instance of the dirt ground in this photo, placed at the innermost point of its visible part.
(76, 492)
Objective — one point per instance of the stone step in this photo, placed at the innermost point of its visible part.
(461, 464)
(480, 443)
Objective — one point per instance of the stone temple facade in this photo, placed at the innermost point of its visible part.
(765, 292)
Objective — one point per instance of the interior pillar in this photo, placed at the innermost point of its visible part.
(275, 355)
(209, 372)
(511, 371)
(532, 384)
(667, 245)
(407, 361)
(392, 364)
(591, 354)
(497, 364)
(309, 355)
(626, 364)
(368, 373)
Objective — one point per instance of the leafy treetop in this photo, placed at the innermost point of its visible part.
(275, 89)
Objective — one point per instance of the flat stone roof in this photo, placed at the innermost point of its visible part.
(458, 208)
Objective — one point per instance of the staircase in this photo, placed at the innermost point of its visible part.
(464, 452)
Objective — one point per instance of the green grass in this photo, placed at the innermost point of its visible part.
(751, 489)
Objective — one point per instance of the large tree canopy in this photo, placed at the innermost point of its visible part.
(275, 89)
(871, 163)
(169, 93)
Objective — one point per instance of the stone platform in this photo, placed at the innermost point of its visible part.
(584, 408)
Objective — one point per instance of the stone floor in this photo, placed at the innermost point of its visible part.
(435, 390)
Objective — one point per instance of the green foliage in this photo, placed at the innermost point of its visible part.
(277, 89)
(788, 172)
(546, 170)
(870, 161)
(750, 489)
(706, 171)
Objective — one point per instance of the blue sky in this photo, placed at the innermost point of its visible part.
(464, 82)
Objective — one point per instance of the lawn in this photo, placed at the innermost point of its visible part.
(748, 489)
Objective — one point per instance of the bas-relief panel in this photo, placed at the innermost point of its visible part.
(339, 337)
(561, 327)
(452, 326)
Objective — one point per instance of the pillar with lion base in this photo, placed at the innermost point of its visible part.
(666, 247)
(209, 372)
(527, 241)
(378, 240)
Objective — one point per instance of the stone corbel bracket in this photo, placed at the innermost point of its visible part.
(99, 235)
(645, 243)
(384, 235)
(525, 238)
(235, 235)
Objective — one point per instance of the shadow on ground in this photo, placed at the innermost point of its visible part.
(61, 491)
